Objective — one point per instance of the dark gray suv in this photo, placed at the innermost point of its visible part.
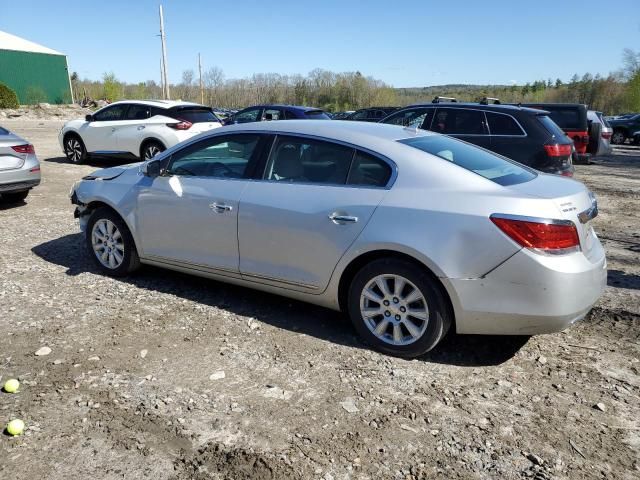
(525, 135)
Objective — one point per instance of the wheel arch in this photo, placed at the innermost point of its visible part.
(95, 204)
(357, 263)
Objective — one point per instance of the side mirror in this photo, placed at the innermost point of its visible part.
(151, 168)
(89, 118)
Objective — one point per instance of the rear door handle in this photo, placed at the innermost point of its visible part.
(220, 207)
(336, 218)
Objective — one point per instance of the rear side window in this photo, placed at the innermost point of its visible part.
(272, 114)
(303, 160)
(138, 112)
(484, 163)
(566, 117)
(417, 118)
(194, 114)
(551, 126)
(368, 170)
(316, 115)
(458, 121)
(500, 124)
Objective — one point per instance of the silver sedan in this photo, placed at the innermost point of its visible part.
(409, 232)
(19, 167)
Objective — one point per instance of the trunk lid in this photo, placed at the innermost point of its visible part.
(9, 158)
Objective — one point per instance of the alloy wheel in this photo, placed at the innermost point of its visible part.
(108, 244)
(151, 151)
(617, 138)
(394, 309)
(73, 149)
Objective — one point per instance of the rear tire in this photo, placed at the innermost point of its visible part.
(618, 137)
(411, 314)
(15, 197)
(150, 149)
(111, 244)
(74, 149)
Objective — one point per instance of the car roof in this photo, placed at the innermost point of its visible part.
(160, 103)
(492, 107)
(280, 105)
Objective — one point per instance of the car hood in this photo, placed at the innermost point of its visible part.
(113, 172)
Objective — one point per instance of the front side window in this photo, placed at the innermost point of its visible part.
(486, 164)
(138, 112)
(248, 115)
(303, 160)
(220, 157)
(414, 118)
(500, 124)
(459, 121)
(369, 171)
(109, 114)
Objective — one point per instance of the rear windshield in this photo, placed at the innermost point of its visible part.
(551, 126)
(194, 115)
(486, 164)
(316, 115)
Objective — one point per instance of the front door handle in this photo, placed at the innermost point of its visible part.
(337, 218)
(113, 129)
(141, 127)
(220, 207)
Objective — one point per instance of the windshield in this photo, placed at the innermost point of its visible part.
(316, 115)
(194, 115)
(486, 164)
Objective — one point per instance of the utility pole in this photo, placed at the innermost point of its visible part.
(162, 79)
(201, 85)
(164, 57)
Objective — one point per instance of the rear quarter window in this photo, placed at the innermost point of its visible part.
(551, 126)
(482, 162)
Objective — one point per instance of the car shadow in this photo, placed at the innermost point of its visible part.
(6, 205)
(620, 279)
(98, 162)
(461, 350)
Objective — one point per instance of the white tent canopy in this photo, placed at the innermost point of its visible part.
(11, 42)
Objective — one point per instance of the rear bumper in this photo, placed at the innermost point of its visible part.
(18, 186)
(530, 294)
(24, 178)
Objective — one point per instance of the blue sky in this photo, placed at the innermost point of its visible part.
(405, 43)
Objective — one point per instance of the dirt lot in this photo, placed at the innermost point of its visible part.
(133, 386)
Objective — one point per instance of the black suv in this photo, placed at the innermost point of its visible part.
(625, 128)
(372, 114)
(526, 135)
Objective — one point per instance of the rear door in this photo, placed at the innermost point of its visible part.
(100, 135)
(131, 128)
(313, 201)
(466, 124)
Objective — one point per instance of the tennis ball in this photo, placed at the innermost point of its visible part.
(15, 427)
(11, 386)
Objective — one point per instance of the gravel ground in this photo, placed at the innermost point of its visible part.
(168, 376)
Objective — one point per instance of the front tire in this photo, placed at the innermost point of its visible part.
(111, 244)
(74, 149)
(398, 308)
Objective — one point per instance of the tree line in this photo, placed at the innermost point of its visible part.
(618, 92)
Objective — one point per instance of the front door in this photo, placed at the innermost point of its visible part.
(296, 223)
(100, 135)
(189, 214)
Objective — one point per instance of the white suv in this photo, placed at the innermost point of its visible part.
(135, 129)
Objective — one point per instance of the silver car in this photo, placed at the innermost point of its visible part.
(19, 167)
(409, 232)
(599, 134)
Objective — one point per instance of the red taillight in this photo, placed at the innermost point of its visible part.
(28, 148)
(35, 169)
(181, 125)
(557, 150)
(566, 173)
(606, 135)
(551, 237)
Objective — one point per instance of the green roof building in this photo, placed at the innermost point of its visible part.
(36, 73)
